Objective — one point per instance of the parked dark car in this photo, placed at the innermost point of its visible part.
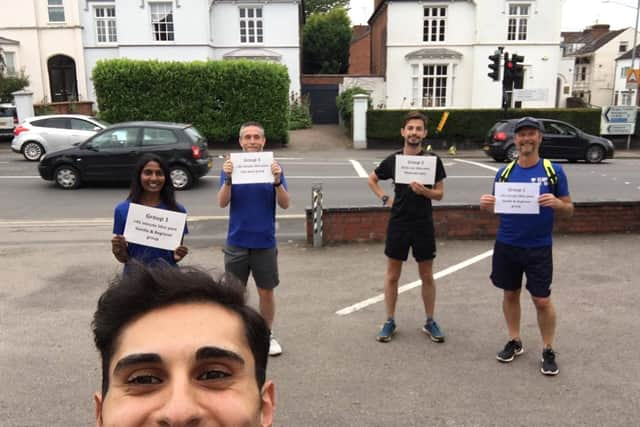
(560, 140)
(111, 154)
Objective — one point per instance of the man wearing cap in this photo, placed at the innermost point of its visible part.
(410, 226)
(523, 243)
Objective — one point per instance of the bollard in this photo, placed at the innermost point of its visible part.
(316, 209)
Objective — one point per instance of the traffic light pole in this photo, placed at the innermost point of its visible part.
(506, 86)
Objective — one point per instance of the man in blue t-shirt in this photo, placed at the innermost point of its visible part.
(523, 244)
(251, 240)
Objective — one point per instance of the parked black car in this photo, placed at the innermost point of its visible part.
(560, 140)
(111, 154)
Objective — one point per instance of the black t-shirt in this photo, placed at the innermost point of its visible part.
(408, 207)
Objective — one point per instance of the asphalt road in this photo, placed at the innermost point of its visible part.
(343, 176)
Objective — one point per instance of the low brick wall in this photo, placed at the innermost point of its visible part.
(364, 224)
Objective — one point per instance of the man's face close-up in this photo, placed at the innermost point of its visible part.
(413, 132)
(252, 139)
(184, 365)
(527, 140)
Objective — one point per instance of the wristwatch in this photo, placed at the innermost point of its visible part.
(277, 184)
(384, 199)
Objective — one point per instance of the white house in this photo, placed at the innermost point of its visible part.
(622, 95)
(594, 52)
(434, 54)
(43, 38)
(188, 30)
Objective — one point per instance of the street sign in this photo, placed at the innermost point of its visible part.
(530, 95)
(618, 120)
(633, 77)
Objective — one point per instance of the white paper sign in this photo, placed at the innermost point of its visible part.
(158, 228)
(252, 168)
(421, 169)
(517, 197)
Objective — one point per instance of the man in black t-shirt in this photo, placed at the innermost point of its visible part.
(410, 226)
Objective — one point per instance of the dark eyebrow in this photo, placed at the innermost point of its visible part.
(136, 359)
(217, 353)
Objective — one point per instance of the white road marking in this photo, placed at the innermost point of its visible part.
(18, 176)
(482, 165)
(359, 169)
(404, 288)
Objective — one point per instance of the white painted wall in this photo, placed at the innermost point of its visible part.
(375, 85)
(475, 31)
(201, 33)
(565, 74)
(620, 85)
(603, 69)
(27, 21)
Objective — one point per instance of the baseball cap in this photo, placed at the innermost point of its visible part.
(527, 122)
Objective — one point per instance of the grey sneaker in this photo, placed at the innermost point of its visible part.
(549, 365)
(387, 331)
(432, 329)
(510, 351)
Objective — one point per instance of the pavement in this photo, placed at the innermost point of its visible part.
(333, 372)
(323, 138)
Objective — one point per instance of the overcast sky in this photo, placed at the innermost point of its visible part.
(576, 14)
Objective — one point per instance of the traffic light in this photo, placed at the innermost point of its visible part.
(517, 70)
(507, 76)
(494, 66)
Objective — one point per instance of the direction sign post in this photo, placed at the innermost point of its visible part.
(618, 120)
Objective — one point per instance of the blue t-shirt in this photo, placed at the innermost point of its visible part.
(531, 230)
(144, 254)
(252, 216)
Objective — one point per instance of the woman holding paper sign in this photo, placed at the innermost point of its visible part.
(150, 187)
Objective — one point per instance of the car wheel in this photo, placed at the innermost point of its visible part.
(32, 151)
(67, 177)
(180, 177)
(595, 154)
(511, 153)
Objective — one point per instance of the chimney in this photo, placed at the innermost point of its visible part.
(598, 30)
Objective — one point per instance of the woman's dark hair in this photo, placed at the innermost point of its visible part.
(167, 194)
(146, 288)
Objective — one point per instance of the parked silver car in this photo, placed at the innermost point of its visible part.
(38, 135)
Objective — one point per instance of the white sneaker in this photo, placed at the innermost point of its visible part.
(274, 347)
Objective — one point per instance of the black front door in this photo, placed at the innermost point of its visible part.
(62, 78)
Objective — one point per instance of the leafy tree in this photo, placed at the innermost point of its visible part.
(326, 40)
(322, 6)
(9, 84)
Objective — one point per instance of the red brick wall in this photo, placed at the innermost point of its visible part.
(359, 55)
(322, 79)
(379, 42)
(469, 222)
(79, 107)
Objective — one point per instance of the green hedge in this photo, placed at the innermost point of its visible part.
(473, 125)
(215, 96)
